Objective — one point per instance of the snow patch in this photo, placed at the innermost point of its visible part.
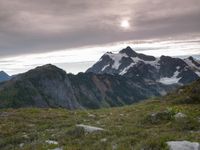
(124, 71)
(136, 60)
(105, 67)
(183, 145)
(90, 129)
(172, 80)
(152, 63)
(198, 73)
(178, 67)
(116, 58)
(190, 63)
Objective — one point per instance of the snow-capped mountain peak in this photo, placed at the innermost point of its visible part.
(166, 70)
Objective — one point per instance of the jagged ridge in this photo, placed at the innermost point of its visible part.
(166, 70)
(49, 86)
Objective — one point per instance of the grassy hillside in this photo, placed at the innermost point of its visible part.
(147, 125)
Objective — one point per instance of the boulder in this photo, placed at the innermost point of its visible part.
(89, 129)
(183, 145)
(179, 116)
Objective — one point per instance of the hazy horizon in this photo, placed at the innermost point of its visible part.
(80, 59)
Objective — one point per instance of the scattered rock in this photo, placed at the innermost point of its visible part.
(183, 145)
(98, 122)
(114, 146)
(195, 131)
(89, 129)
(25, 135)
(103, 140)
(179, 116)
(91, 115)
(30, 125)
(198, 119)
(21, 145)
(51, 142)
(102, 116)
(121, 115)
(58, 148)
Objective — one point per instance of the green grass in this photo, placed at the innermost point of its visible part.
(126, 127)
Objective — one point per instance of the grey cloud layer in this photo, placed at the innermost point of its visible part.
(29, 26)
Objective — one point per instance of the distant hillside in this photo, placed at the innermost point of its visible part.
(189, 94)
(4, 76)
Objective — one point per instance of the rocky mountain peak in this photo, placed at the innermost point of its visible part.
(129, 63)
(46, 71)
(191, 58)
(192, 61)
(2, 72)
(129, 52)
(48, 67)
(4, 76)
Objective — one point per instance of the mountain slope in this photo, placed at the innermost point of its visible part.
(189, 94)
(166, 70)
(4, 76)
(146, 125)
(49, 86)
(46, 86)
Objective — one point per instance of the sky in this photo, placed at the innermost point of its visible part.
(73, 34)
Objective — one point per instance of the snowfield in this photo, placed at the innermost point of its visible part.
(172, 80)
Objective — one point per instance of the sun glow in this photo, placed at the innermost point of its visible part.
(125, 24)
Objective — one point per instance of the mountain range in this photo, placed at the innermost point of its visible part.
(166, 70)
(115, 80)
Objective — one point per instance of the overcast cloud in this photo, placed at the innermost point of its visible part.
(31, 26)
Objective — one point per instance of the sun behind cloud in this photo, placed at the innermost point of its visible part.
(125, 24)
